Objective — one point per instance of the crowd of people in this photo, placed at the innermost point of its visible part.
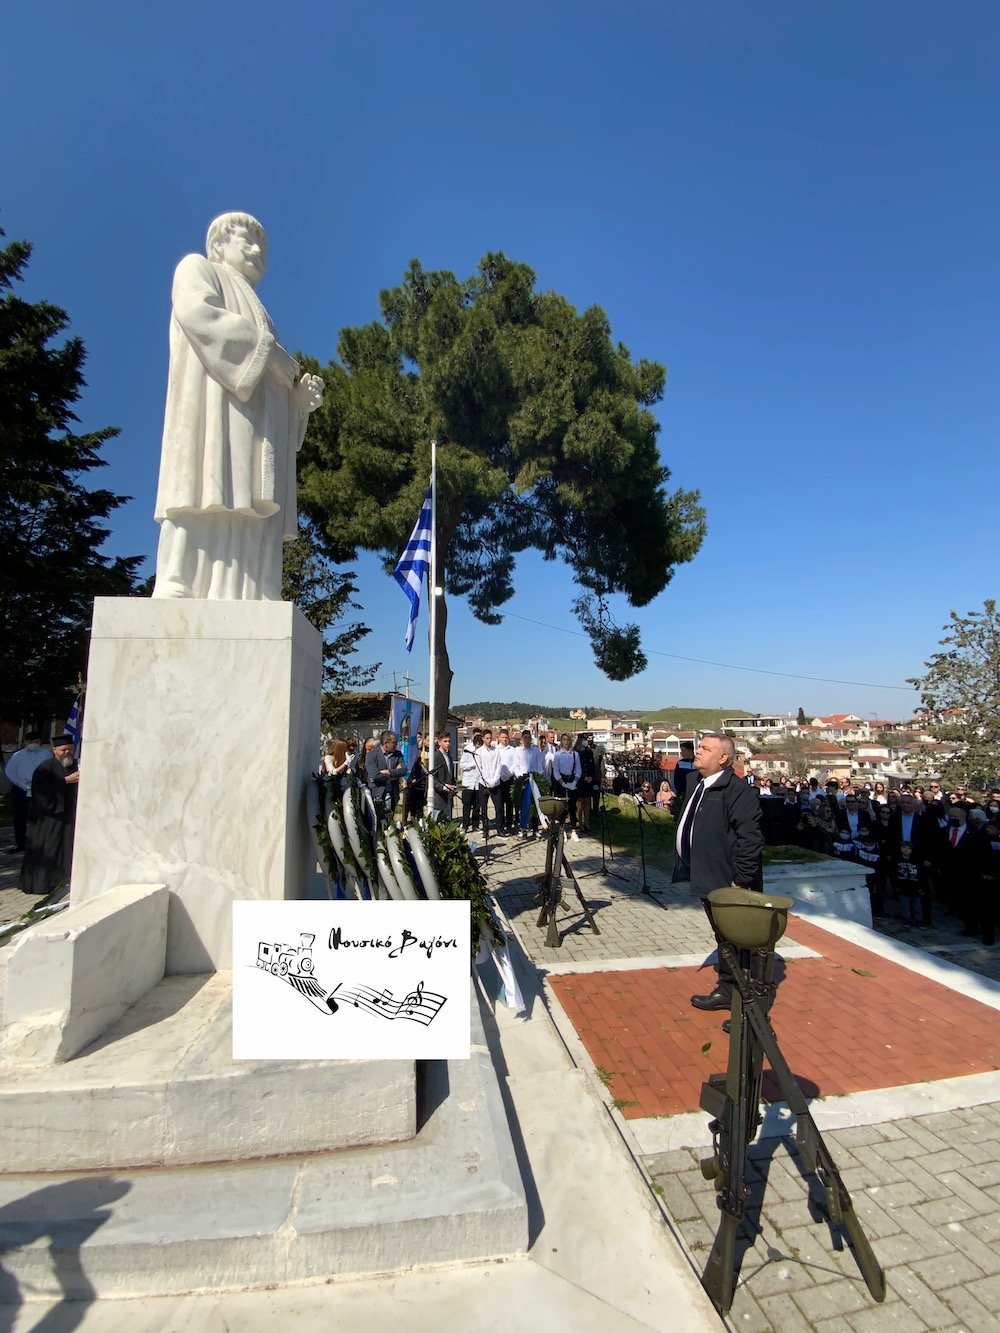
(920, 846)
(488, 781)
(494, 774)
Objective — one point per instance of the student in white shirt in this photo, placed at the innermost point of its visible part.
(528, 760)
(506, 751)
(468, 767)
(565, 776)
(488, 758)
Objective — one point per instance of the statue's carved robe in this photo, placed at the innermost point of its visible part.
(230, 436)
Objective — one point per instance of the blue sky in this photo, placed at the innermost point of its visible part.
(794, 206)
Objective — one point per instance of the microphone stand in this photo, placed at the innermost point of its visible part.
(606, 839)
(645, 887)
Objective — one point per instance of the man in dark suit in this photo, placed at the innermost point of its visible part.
(919, 828)
(683, 775)
(384, 769)
(443, 779)
(963, 857)
(48, 856)
(791, 819)
(851, 819)
(719, 839)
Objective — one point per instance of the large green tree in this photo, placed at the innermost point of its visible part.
(51, 525)
(960, 692)
(545, 441)
(325, 595)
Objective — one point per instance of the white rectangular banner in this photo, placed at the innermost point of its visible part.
(351, 980)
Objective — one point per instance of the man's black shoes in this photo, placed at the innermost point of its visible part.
(717, 1000)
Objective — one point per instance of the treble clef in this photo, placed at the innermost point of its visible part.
(415, 998)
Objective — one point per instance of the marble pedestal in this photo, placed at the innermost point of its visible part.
(201, 729)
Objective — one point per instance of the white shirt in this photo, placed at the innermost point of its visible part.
(527, 759)
(22, 764)
(706, 783)
(489, 765)
(566, 768)
(507, 753)
(469, 767)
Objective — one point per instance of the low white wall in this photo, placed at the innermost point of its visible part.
(71, 977)
(832, 889)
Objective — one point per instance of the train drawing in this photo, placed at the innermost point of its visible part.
(280, 959)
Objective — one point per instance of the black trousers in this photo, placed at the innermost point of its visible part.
(19, 812)
(470, 807)
(559, 790)
(682, 875)
(486, 794)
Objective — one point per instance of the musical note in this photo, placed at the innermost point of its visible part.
(418, 1006)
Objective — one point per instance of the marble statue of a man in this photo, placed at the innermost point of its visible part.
(235, 417)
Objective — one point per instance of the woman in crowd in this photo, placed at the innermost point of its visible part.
(335, 762)
(664, 797)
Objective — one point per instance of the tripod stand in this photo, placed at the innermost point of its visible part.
(747, 926)
(555, 809)
(640, 814)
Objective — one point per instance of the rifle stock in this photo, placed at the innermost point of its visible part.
(727, 1097)
(733, 1101)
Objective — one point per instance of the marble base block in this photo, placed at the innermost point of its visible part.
(200, 732)
(833, 889)
(71, 977)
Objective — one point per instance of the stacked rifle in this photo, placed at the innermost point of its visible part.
(747, 926)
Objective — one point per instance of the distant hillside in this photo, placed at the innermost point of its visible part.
(692, 719)
(491, 711)
(682, 719)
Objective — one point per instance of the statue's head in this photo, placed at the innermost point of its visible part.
(238, 240)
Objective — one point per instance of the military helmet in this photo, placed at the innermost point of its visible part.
(748, 919)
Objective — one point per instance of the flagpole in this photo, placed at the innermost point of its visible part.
(432, 583)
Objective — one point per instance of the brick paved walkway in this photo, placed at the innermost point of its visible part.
(846, 1021)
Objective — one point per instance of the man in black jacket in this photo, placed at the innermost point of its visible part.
(719, 839)
(384, 768)
(48, 857)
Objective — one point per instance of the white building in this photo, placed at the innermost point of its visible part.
(762, 724)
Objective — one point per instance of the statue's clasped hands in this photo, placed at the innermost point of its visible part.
(309, 392)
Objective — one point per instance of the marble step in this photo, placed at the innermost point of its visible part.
(452, 1193)
(160, 1087)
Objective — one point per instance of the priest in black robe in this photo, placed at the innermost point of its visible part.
(48, 857)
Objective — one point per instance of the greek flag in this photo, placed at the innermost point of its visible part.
(413, 564)
(73, 725)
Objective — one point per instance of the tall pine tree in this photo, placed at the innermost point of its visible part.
(51, 525)
(546, 442)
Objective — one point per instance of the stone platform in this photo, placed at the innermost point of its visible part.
(160, 1087)
(451, 1193)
